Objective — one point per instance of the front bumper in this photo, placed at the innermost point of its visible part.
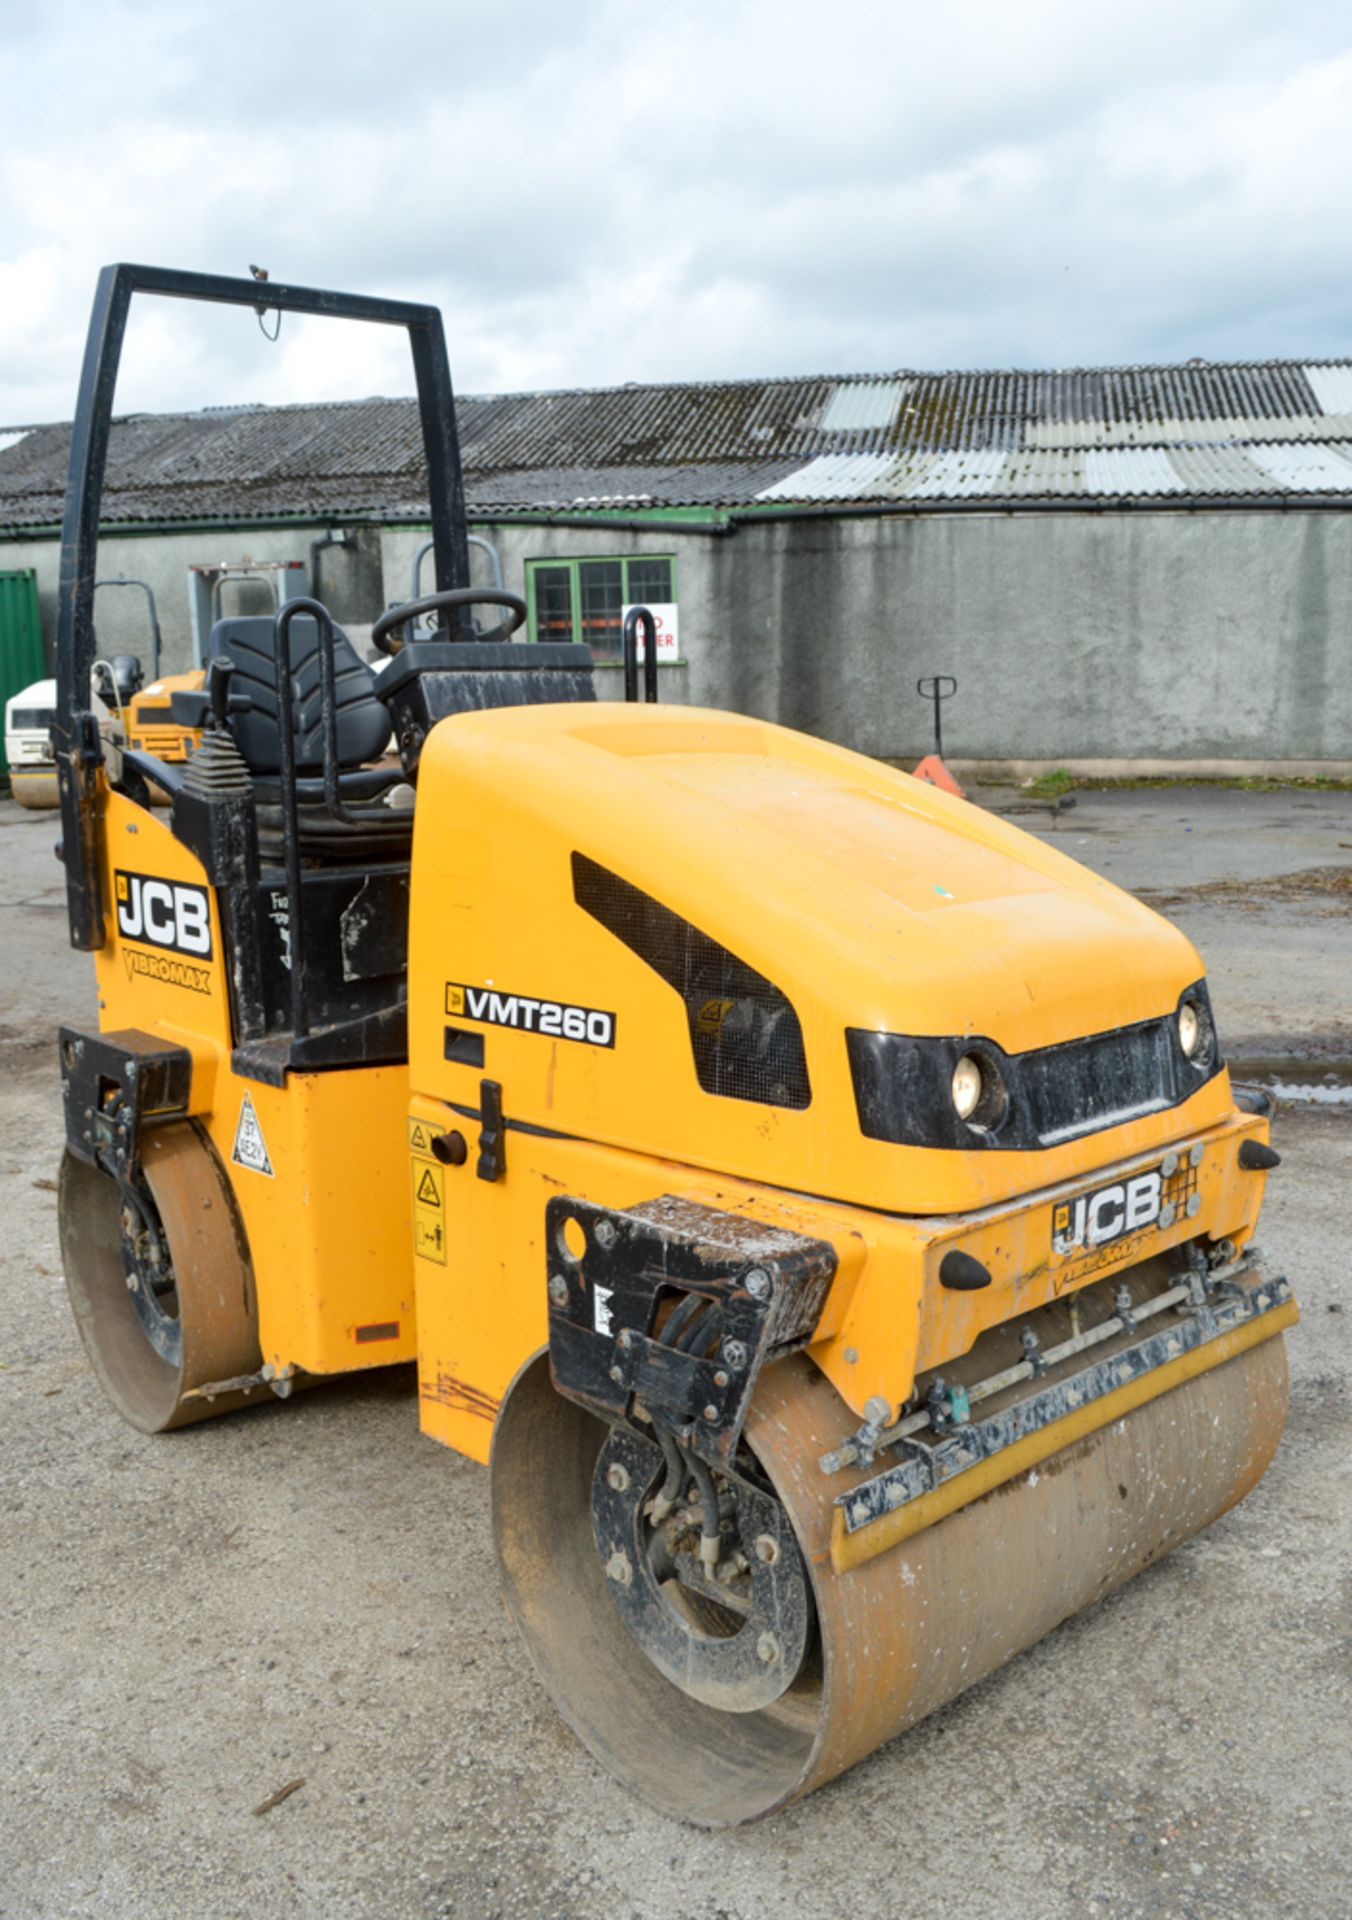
(896, 1318)
(972, 1436)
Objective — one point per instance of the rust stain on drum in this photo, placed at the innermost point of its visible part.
(908, 1631)
(901, 1634)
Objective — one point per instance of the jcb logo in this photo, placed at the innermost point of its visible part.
(164, 913)
(1095, 1219)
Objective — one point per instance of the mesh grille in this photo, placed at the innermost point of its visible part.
(744, 1034)
(1087, 1084)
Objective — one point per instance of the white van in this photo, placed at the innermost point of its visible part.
(28, 744)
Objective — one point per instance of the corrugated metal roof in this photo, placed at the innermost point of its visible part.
(835, 476)
(857, 404)
(1209, 471)
(1167, 433)
(1304, 468)
(1093, 473)
(1332, 387)
(1126, 471)
(958, 476)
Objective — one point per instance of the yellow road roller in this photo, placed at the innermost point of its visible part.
(824, 1208)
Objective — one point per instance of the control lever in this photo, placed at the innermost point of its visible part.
(223, 703)
(215, 703)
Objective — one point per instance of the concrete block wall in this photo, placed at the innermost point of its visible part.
(1216, 642)
(350, 581)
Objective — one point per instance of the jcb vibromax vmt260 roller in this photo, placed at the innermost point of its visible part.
(824, 1207)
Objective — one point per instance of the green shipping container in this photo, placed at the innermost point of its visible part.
(21, 657)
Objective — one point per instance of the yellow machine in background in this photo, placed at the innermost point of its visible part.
(825, 1207)
(137, 715)
(148, 718)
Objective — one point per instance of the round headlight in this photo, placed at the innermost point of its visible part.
(966, 1086)
(1189, 1028)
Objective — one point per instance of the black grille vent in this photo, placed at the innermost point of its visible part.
(744, 1033)
(1088, 1084)
(904, 1085)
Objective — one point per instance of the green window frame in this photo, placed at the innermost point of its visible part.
(580, 599)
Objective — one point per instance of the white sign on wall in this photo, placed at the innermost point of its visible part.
(668, 633)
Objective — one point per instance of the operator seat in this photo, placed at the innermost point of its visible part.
(362, 725)
(362, 730)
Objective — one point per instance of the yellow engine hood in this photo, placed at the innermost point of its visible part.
(870, 900)
(917, 912)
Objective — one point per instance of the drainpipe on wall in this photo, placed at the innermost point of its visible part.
(329, 538)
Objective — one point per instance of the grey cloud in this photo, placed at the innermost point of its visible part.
(606, 192)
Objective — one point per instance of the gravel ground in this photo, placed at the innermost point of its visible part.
(306, 1592)
(1260, 882)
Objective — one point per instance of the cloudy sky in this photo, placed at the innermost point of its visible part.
(601, 192)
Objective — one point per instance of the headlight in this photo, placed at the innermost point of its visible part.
(978, 1092)
(1195, 1030)
(1189, 1028)
(966, 1086)
(947, 1091)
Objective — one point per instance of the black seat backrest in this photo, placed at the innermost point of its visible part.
(250, 645)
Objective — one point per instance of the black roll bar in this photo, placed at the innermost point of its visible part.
(75, 734)
(286, 757)
(635, 618)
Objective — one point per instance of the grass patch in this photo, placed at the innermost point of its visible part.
(1050, 786)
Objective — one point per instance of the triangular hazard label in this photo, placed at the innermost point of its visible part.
(417, 1139)
(250, 1150)
(428, 1195)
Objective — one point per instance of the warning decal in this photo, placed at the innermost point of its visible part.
(429, 1214)
(419, 1137)
(250, 1149)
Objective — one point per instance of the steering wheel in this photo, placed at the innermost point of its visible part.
(383, 629)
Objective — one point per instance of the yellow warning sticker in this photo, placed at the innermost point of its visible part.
(429, 1211)
(429, 1240)
(420, 1136)
(455, 999)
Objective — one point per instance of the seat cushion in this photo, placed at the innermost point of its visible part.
(250, 645)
